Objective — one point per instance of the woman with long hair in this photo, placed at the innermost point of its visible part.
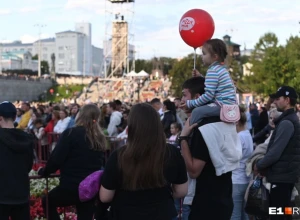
(78, 153)
(141, 178)
(62, 124)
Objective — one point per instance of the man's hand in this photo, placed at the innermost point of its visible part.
(183, 106)
(187, 129)
(256, 172)
(196, 73)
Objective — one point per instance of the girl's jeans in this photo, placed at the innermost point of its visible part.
(238, 194)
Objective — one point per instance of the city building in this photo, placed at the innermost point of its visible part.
(48, 47)
(97, 62)
(13, 60)
(233, 49)
(86, 29)
(69, 53)
(74, 52)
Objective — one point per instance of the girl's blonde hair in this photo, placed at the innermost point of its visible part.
(88, 117)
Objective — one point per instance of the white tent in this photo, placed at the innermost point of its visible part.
(143, 73)
(132, 74)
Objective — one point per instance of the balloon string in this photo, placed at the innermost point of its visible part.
(194, 58)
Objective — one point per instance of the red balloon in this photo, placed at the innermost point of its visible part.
(195, 27)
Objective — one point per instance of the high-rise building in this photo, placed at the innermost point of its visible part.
(74, 52)
(69, 50)
(86, 29)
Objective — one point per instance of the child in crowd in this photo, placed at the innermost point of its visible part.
(219, 88)
(175, 131)
(39, 133)
(182, 210)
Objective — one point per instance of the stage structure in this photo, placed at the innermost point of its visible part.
(118, 46)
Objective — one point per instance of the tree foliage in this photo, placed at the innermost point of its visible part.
(145, 65)
(35, 57)
(44, 67)
(182, 70)
(274, 65)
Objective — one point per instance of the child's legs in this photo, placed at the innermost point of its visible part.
(204, 111)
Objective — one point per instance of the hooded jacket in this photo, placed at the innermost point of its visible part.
(16, 159)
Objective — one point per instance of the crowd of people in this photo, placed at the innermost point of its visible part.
(176, 159)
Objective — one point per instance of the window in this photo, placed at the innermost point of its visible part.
(61, 55)
(60, 69)
(60, 48)
(45, 49)
(22, 49)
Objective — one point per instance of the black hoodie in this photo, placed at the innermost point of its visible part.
(16, 159)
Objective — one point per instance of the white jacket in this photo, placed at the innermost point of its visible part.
(61, 125)
(115, 120)
(123, 135)
(224, 146)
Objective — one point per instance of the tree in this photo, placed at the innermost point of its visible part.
(274, 65)
(244, 59)
(164, 63)
(267, 64)
(145, 65)
(182, 70)
(44, 67)
(35, 57)
(292, 54)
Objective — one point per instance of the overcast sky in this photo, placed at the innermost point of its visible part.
(153, 23)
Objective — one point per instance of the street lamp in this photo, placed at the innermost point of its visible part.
(40, 26)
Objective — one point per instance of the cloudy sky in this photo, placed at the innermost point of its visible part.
(153, 23)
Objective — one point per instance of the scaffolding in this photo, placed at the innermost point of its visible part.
(117, 52)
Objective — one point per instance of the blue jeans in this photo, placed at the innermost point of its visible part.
(185, 210)
(204, 111)
(238, 194)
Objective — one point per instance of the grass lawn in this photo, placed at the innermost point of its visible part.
(62, 91)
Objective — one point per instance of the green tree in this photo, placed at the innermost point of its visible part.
(235, 70)
(145, 65)
(244, 59)
(182, 70)
(35, 57)
(166, 64)
(274, 65)
(267, 66)
(44, 67)
(292, 53)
